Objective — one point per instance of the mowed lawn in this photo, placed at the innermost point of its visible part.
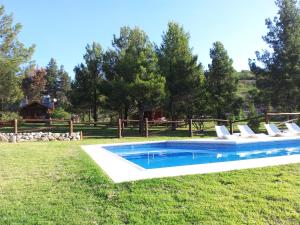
(57, 183)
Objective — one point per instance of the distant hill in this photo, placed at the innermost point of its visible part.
(246, 83)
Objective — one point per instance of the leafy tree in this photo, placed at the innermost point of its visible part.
(182, 72)
(278, 80)
(33, 84)
(221, 84)
(13, 54)
(88, 78)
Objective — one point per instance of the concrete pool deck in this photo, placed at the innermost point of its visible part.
(122, 170)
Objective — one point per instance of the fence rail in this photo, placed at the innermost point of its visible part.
(189, 125)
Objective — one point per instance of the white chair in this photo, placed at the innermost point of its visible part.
(293, 128)
(273, 131)
(247, 132)
(222, 132)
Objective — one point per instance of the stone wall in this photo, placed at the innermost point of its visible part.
(39, 136)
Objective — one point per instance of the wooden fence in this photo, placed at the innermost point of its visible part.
(179, 123)
(15, 124)
(192, 126)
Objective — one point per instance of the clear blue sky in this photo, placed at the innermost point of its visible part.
(62, 28)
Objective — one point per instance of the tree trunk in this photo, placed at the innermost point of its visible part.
(95, 108)
(90, 115)
(95, 115)
(219, 117)
(125, 115)
(83, 116)
(173, 116)
(141, 119)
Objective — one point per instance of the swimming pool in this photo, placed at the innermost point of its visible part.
(170, 154)
(135, 161)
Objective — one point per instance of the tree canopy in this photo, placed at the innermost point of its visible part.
(279, 78)
(181, 69)
(13, 54)
(221, 83)
(135, 77)
(88, 78)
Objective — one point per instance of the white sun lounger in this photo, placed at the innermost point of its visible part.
(247, 132)
(293, 128)
(273, 131)
(222, 132)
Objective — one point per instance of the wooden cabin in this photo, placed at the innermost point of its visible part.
(35, 110)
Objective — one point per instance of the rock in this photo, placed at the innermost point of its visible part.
(13, 139)
(51, 138)
(39, 136)
(60, 138)
(45, 139)
(3, 138)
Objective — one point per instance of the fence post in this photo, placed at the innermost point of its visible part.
(231, 126)
(15, 126)
(266, 117)
(50, 121)
(190, 128)
(81, 136)
(70, 126)
(146, 128)
(120, 128)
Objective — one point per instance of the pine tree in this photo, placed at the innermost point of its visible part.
(279, 78)
(221, 83)
(13, 54)
(182, 72)
(88, 79)
(63, 88)
(132, 74)
(52, 78)
(147, 86)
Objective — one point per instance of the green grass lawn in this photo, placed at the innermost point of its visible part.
(57, 183)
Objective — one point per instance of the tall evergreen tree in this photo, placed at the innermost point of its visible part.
(52, 78)
(221, 83)
(118, 75)
(279, 78)
(13, 54)
(88, 79)
(63, 87)
(132, 73)
(147, 86)
(182, 72)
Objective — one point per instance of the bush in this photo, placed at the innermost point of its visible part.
(60, 113)
(9, 116)
(254, 123)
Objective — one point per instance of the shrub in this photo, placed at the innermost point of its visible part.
(60, 113)
(9, 116)
(254, 123)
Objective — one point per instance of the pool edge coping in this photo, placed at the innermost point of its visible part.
(121, 170)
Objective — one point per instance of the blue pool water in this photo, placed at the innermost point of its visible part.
(168, 154)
